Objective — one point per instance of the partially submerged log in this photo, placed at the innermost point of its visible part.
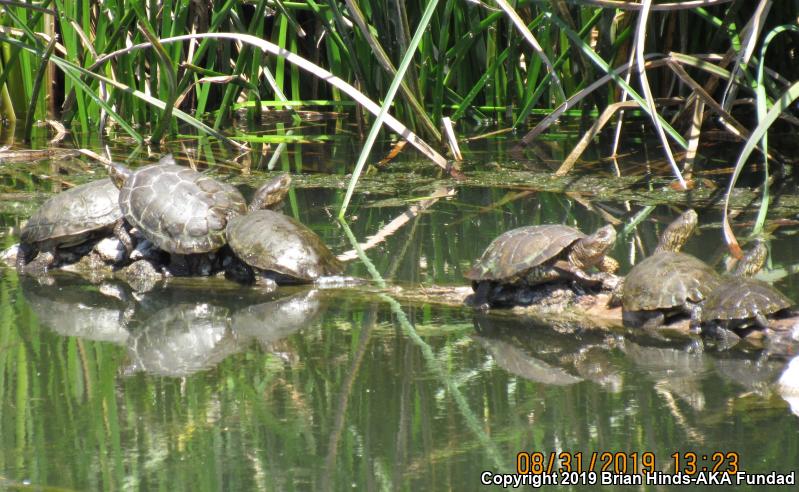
(592, 311)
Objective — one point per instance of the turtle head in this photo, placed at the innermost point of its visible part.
(677, 233)
(590, 251)
(167, 159)
(118, 174)
(753, 261)
(271, 193)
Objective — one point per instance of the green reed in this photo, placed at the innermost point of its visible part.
(493, 65)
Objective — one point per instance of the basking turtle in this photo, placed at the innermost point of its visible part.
(68, 219)
(537, 254)
(668, 282)
(181, 210)
(740, 301)
(273, 243)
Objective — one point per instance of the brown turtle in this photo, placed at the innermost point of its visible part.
(740, 301)
(69, 219)
(668, 282)
(533, 255)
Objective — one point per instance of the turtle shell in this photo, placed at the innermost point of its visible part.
(515, 252)
(743, 298)
(68, 218)
(667, 280)
(178, 209)
(271, 241)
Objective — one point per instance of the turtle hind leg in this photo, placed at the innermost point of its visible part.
(643, 319)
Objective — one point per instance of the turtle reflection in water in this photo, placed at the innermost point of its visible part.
(71, 306)
(71, 218)
(525, 347)
(270, 322)
(529, 256)
(182, 338)
(741, 305)
(669, 282)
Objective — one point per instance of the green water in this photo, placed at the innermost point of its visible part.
(206, 385)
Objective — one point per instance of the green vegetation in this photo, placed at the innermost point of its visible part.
(143, 69)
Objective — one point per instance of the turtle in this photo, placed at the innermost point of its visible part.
(741, 301)
(533, 255)
(281, 247)
(668, 282)
(70, 218)
(182, 211)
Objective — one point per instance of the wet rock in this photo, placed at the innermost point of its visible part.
(9, 256)
(89, 266)
(110, 250)
(788, 385)
(141, 275)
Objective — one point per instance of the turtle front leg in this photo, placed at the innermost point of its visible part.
(695, 311)
(124, 237)
(761, 321)
(608, 265)
(481, 292)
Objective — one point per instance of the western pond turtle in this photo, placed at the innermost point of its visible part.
(177, 208)
(182, 211)
(68, 219)
(533, 255)
(271, 242)
(740, 301)
(669, 282)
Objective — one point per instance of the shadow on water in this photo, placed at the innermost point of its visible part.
(206, 384)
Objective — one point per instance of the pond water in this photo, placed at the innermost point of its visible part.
(207, 385)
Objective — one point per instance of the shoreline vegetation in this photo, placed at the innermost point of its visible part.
(685, 66)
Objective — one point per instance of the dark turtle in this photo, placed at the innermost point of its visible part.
(178, 209)
(68, 219)
(272, 242)
(537, 254)
(739, 301)
(668, 282)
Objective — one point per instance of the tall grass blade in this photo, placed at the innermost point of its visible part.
(37, 85)
(762, 105)
(392, 91)
(385, 62)
(650, 99)
(519, 23)
(304, 64)
(783, 103)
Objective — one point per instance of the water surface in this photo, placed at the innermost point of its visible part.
(204, 384)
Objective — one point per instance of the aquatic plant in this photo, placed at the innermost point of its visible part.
(143, 68)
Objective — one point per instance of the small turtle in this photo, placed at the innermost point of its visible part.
(272, 242)
(668, 282)
(183, 211)
(68, 219)
(740, 301)
(537, 254)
